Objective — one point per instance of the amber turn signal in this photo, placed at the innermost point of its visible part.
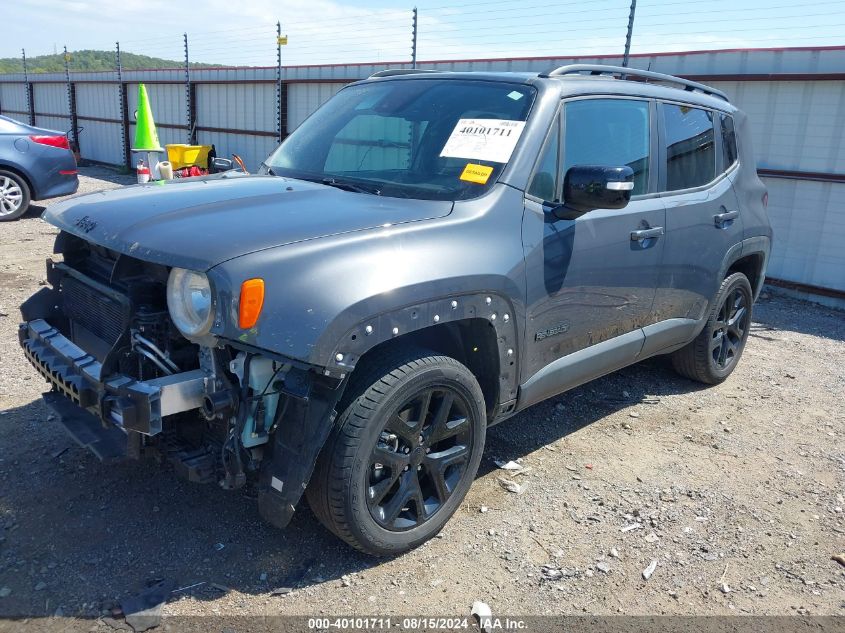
(252, 300)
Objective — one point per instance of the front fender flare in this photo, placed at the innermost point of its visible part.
(349, 344)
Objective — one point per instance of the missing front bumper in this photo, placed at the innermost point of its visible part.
(108, 443)
(131, 404)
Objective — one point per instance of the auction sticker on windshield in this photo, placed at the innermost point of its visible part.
(483, 139)
(478, 174)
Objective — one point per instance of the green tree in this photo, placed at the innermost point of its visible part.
(89, 60)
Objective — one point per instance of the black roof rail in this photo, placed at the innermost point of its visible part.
(623, 72)
(393, 72)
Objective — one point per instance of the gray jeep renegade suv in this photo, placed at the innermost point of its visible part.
(426, 255)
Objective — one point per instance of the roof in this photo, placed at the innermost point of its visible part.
(573, 85)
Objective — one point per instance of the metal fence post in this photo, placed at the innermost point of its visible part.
(71, 103)
(30, 101)
(414, 42)
(280, 98)
(124, 111)
(630, 33)
(189, 97)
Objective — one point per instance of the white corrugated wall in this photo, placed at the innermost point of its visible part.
(808, 219)
(233, 106)
(252, 149)
(304, 98)
(797, 125)
(13, 97)
(99, 140)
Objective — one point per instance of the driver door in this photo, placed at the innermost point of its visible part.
(591, 282)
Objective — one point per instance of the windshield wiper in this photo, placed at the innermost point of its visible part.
(350, 186)
(269, 169)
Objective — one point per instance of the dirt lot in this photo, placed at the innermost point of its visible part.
(736, 491)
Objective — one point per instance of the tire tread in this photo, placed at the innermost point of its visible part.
(326, 493)
(692, 361)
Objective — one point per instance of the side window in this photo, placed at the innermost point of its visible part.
(354, 147)
(690, 148)
(728, 140)
(544, 183)
(609, 132)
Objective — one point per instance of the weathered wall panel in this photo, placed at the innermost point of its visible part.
(51, 98)
(167, 102)
(101, 142)
(13, 97)
(808, 219)
(245, 106)
(797, 125)
(59, 124)
(304, 98)
(98, 100)
(252, 149)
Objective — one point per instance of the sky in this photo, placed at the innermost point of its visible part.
(243, 32)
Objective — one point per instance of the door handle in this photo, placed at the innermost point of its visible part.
(723, 218)
(644, 234)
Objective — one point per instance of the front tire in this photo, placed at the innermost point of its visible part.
(713, 355)
(14, 196)
(403, 454)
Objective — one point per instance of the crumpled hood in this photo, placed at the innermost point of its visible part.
(199, 223)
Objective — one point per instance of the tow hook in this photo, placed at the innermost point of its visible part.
(218, 404)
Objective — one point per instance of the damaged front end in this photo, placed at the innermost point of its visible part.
(127, 382)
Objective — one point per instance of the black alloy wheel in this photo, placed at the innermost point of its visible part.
(403, 453)
(713, 355)
(731, 325)
(420, 458)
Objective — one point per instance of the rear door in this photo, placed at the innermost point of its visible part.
(589, 281)
(698, 163)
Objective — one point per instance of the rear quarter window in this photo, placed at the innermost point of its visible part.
(729, 151)
(690, 146)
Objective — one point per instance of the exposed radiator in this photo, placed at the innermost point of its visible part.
(98, 313)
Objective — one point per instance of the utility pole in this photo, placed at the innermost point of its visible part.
(630, 33)
(414, 42)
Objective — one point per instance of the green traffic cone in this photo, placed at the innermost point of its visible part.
(146, 137)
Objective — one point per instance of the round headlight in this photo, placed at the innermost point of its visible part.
(189, 301)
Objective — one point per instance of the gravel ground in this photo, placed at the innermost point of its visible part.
(736, 492)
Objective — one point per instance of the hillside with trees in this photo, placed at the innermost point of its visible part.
(88, 60)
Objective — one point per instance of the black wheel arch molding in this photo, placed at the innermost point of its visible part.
(337, 349)
(381, 328)
(750, 256)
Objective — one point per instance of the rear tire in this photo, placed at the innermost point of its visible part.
(14, 196)
(403, 454)
(713, 355)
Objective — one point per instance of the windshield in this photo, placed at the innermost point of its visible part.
(430, 139)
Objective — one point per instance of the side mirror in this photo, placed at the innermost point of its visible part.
(220, 164)
(588, 187)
